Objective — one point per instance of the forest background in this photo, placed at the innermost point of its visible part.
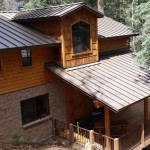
(134, 13)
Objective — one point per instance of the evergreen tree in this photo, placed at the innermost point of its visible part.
(142, 24)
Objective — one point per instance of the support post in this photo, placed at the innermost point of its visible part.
(107, 121)
(91, 137)
(107, 128)
(145, 110)
(142, 136)
(71, 133)
(116, 144)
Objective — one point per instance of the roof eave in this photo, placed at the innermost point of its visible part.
(31, 47)
(121, 36)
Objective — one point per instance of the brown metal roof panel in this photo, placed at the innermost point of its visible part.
(87, 89)
(14, 35)
(107, 28)
(53, 11)
(108, 83)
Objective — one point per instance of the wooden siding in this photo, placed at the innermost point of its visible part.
(70, 60)
(14, 77)
(113, 44)
(79, 106)
(49, 27)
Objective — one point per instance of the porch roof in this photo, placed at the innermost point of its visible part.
(115, 81)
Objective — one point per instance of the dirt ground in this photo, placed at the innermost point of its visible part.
(42, 146)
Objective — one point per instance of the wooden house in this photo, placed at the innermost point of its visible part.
(50, 67)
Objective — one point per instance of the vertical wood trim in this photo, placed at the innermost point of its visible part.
(107, 121)
(145, 110)
(107, 127)
(63, 45)
(142, 135)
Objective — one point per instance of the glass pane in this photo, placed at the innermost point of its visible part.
(81, 37)
(35, 108)
(26, 57)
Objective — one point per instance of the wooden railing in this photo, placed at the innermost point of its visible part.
(136, 137)
(103, 142)
(81, 136)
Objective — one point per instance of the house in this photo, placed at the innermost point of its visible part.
(50, 67)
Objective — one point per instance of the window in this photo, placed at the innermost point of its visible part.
(81, 37)
(34, 108)
(26, 57)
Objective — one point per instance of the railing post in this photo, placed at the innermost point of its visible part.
(91, 137)
(116, 144)
(108, 143)
(142, 136)
(54, 128)
(71, 133)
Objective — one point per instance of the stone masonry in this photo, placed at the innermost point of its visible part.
(10, 112)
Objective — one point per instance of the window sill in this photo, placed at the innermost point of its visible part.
(35, 122)
(83, 53)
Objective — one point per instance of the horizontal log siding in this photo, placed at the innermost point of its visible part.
(113, 44)
(14, 77)
(70, 60)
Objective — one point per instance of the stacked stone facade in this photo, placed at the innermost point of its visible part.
(10, 112)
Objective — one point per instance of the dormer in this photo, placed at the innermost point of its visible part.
(74, 24)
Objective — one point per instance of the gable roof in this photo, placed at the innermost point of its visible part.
(14, 35)
(50, 12)
(108, 28)
(115, 81)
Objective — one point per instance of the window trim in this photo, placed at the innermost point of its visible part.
(22, 57)
(84, 52)
(36, 122)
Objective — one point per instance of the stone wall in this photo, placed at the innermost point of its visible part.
(10, 112)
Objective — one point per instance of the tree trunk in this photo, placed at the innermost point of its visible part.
(100, 6)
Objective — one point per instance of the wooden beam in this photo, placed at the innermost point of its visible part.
(107, 121)
(145, 110)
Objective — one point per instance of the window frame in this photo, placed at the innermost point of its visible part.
(83, 52)
(30, 58)
(35, 116)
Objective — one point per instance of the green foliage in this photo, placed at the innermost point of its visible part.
(44, 3)
(16, 138)
(142, 24)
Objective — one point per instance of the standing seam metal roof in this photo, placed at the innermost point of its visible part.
(116, 81)
(14, 35)
(108, 28)
(52, 11)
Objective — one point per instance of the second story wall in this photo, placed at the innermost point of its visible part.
(14, 77)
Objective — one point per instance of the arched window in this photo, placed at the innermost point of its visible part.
(81, 37)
